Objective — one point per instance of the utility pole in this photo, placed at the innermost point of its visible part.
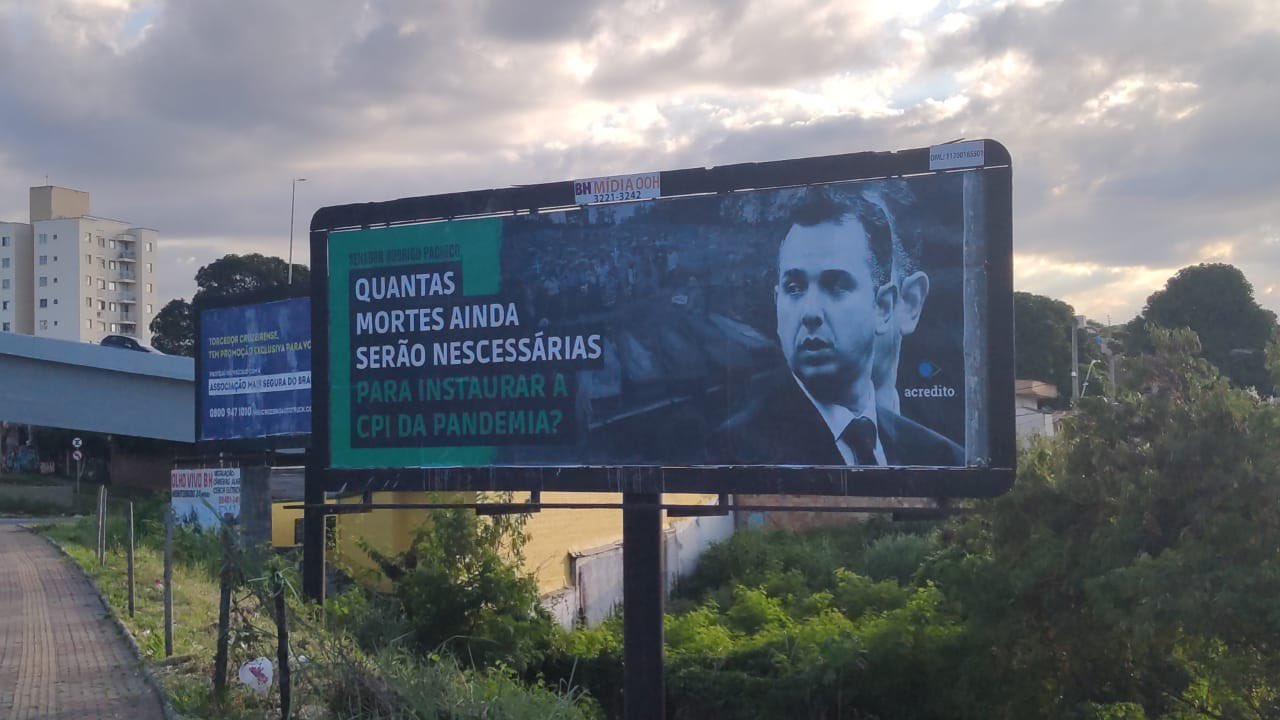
(1076, 322)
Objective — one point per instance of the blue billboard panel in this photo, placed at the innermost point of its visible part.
(255, 378)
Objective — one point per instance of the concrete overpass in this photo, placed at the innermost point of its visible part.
(78, 386)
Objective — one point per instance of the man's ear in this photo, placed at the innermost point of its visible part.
(885, 302)
(915, 288)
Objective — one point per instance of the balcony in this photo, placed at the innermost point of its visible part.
(127, 277)
(125, 296)
(127, 256)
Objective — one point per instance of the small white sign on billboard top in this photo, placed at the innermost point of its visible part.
(641, 186)
(957, 155)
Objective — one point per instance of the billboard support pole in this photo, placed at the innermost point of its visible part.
(313, 539)
(643, 596)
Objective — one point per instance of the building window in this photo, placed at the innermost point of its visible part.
(150, 268)
(4, 262)
(44, 302)
(102, 326)
(4, 241)
(6, 327)
(111, 285)
(112, 244)
(88, 237)
(44, 260)
(88, 324)
(102, 264)
(4, 305)
(88, 280)
(102, 242)
(44, 324)
(4, 284)
(150, 247)
(149, 288)
(102, 304)
(55, 236)
(111, 265)
(44, 281)
(102, 284)
(111, 307)
(44, 239)
(149, 308)
(115, 327)
(88, 258)
(88, 302)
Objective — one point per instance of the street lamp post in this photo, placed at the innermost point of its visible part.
(1077, 322)
(292, 201)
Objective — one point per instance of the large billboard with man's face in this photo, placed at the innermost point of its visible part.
(829, 325)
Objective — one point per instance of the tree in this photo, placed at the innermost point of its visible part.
(1131, 571)
(236, 274)
(1042, 342)
(1216, 302)
(173, 329)
(460, 587)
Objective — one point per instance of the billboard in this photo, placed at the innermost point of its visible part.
(202, 497)
(253, 371)
(717, 341)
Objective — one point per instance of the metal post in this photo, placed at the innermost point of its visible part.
(643, 596)
(102, 525)
(292, 201)
(313, 536)
(1075, 361)
(130, 556)
(168, 581)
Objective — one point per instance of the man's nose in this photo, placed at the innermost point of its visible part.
(811, 312)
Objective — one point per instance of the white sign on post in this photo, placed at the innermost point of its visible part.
(76, 443)
(203, 496)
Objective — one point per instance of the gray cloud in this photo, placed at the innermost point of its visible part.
(1140, 131)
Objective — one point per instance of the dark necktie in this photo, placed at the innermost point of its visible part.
(861, 436)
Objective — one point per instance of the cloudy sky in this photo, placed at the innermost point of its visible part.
(1144, 132)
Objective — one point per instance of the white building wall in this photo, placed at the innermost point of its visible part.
(99, 279)
(15, 268)
(1030, 420)
(55, 292)
(597, 574)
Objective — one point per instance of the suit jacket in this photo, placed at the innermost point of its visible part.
(782, 427)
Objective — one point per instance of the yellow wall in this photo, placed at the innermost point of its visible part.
(553, 534)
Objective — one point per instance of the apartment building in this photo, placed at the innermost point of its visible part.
(86, 277)
(16, 300)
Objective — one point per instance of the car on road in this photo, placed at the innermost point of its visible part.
(125, 342)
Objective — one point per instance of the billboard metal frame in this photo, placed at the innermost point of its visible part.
(988, 480)
(261, 296)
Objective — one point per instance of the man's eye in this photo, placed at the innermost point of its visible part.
(838, 283)
(792, 287)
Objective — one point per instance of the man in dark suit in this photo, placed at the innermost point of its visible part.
(834, 297)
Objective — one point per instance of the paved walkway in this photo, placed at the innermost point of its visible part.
(60, 656)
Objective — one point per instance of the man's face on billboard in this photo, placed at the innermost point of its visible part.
(829, 311)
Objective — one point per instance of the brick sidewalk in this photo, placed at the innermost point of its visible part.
(60, 657)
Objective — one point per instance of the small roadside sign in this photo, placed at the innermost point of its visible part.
(77, 456)
(76, 443)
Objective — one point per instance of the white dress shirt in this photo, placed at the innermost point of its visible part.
(838, 417)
